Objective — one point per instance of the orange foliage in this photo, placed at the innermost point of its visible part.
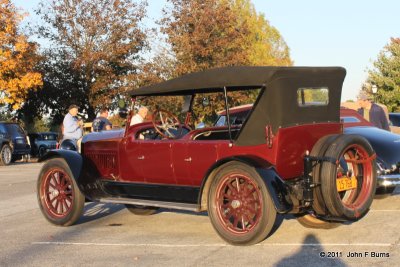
(17, 59)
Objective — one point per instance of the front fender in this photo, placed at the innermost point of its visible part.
(73, 159)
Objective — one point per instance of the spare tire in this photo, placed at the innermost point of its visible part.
(319, 150)
(348, 182)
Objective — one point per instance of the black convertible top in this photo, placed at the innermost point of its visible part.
(234, 77)
(277, 104)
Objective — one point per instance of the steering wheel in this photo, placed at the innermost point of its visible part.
(167, 124)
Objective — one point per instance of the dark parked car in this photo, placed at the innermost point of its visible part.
(42, 142)
(385, 144)
(13, 143)
(289, 156)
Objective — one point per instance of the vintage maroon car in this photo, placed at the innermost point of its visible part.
(289, 156)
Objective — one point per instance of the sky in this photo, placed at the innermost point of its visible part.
(342, 33)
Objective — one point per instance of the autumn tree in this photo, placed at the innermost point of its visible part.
(101, 41)
(208, 33)
(204, 34)
(264, 44)
(386, 75)
(17, 59)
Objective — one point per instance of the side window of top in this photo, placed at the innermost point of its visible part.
(313, 96)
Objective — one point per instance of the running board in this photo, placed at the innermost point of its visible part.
(152, 203)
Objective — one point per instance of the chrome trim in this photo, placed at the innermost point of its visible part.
(388, 180)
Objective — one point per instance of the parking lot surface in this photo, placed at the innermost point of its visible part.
(109, 235)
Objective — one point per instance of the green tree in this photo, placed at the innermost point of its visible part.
(101, 41)
(386, 75)
(62, 87)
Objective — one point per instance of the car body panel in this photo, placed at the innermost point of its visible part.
(12, 134)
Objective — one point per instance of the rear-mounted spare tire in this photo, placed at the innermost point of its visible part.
(348, 180)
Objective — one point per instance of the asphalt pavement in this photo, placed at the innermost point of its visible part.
(109, 235)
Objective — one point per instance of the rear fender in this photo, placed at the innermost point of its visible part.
(277, 188)
(73, 159)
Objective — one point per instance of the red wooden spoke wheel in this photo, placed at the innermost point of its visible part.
(59, 197)
(239, 205)
(57, 193)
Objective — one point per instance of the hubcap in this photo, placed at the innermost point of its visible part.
(235, 204)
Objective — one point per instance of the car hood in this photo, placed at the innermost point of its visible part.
(111, 134)
(385, 144)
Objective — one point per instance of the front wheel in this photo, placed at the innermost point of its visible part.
(239, 205)
(59, 197)
(5, 155)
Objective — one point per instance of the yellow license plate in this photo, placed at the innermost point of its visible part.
(346, 183)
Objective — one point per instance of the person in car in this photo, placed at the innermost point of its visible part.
(102, 123)
(372, 112)
(140, 115)
(72, 126)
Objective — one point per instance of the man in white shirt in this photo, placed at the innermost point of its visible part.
(140, 116)
(72, 126)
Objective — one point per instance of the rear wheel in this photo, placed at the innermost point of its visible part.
(141, 210)
(348, 185)
(5, 155)
(239, 205)
(60, 199)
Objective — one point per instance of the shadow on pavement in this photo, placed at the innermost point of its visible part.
(312, 252)
(95, 210)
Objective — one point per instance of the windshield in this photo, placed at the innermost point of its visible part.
(49, 137)
(14, 129)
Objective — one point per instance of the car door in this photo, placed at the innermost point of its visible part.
(195, 160)
(130, 160)
(156, 161)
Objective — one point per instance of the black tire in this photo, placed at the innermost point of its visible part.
(310, 221)
(5, 155)
(59, 197)
(14, 158)
(141, 210)
(319, 150)
(359, 159)
(41, 151)
(239, 205)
